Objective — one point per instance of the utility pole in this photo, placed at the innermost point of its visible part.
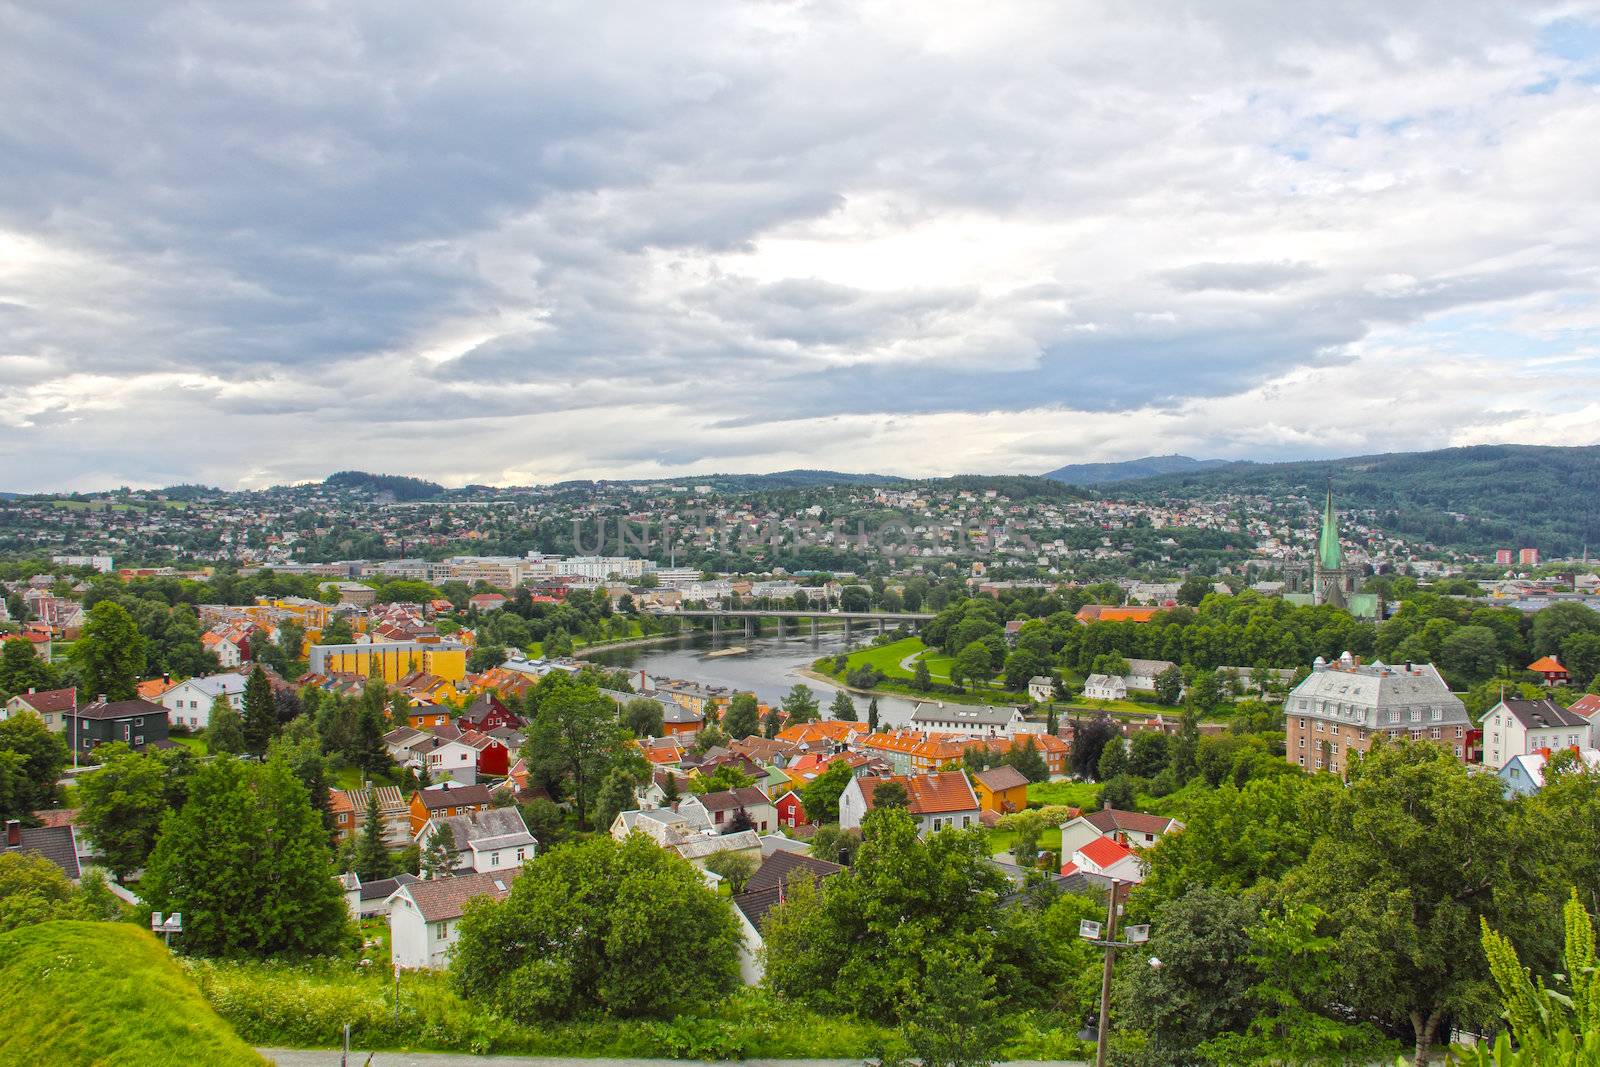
(1105, 978)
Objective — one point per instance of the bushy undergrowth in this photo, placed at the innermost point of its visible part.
(307, 1005)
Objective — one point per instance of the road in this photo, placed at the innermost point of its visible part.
(330, 1058)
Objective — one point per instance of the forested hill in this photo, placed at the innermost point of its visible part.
(1510, 495)
(403, 487)
(1148, 467)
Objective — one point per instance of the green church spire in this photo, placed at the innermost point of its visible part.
(1329, 554)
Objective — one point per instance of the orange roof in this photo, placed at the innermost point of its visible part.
(928, 794)
(154, 688)
(1547, 665)
(827, 729)
(1112, 613)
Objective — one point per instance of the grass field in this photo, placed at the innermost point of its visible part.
(304, 1006)
(1002, 840)
(1082, 795)
(197, 745)
(105, 993)
(886, 659)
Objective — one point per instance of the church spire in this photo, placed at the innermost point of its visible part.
(1329, 554)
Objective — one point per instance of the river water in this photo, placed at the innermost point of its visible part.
(769, 669)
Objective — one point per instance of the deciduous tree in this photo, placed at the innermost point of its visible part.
(109, 656)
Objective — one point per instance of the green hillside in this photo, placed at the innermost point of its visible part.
(105, 993)
(1510, 495)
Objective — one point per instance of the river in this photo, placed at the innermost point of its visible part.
(768, 670)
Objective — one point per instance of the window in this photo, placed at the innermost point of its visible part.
(1438, 714)
(139, 740)
(494, 858)
(936, 824)
(139, 721)
(1302, 761)
(521, 854)
(1302, 745)
(1416, 714)
(1435, 733)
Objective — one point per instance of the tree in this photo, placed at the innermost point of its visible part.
(337, 632)
(872, 715)
(1552, 625)
(31, 759)
(628, 929)
(109, 656)
(973, 664)
(438, 856)
(247, 863)
(1194, 589)
(1113, 760)
(890, 795)
(575, 736)
(372, 859)
(616, 795)
(800, 704)
(1202, 940)
(1024, 756)
(33, 890)
(843, 708)
(545, 821)
(1470, 654)
(1406, 913)
(21, 669)
(260, 713)
(1205, 695)
(1119, 794)
(820, 797)
(1169, 685)
(643, 716)
(1185, 747)
(1580, 654)
(743, 717)
(225, 732)
(1089, 739)
(1147, 755)
(735, 868)
(121, 806)
(773, 723)
(921, 679)
(951, 1016)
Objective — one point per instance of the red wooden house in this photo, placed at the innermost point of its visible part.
(487, 713)
(791, 812)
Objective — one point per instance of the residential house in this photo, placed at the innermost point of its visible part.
(1524, 773)
(1588, 706)
(58, 844)
(426, 716)
(1142, 673)
(1550, 670)
(349, 809)
(1132, 828)
(406, 745)
(701, 847)
(790, 810)
(913, 752)
(1107, 859)
(483, 840)
(936, 801)
(664, 826)
(1519, 727)
(423, 915)
(488, 713)
(1112, 613)
(766, 889)
(1105, 687)
(420, 687)
(722, 810)
(189, 703)
(967, 719)
(830, 735)
(51, 705)
(446, 800)
(1041, 689)
(367, 900)
(451, 756)
(137, 723)
(1001, 789)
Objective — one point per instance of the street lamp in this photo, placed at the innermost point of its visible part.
(1090, 930)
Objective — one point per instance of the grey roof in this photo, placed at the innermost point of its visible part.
(1359, 694)
(384, 888)
(119, 709)
(776, 869)
(1541, 714)
(454, 796)
(495, 828)
(1004, 776)
(988, 715)
(729, 799)
(54, 843)
(702, 845)
(1147, 668)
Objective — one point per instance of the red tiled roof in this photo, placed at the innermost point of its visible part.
(1104, 852)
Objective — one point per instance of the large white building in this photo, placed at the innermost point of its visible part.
(971, 720)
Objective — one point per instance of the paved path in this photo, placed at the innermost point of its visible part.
(330, 1058)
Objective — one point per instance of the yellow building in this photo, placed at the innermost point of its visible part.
(394, 659)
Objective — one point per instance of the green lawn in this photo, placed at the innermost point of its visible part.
(1082, 795)
(350, 778)
(82, 992)
(1002, 840)
(886, 659)
(197, 745)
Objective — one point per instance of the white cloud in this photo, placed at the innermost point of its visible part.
(517, 242)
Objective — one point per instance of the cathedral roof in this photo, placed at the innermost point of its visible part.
(1329, 554)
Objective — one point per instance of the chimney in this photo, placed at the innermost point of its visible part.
(13, 833)
(31, 690)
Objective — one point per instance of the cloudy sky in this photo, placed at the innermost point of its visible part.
(256, 242)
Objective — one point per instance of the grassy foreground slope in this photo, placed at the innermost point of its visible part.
(105, 993)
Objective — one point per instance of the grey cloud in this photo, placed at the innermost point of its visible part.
(1242, 277)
